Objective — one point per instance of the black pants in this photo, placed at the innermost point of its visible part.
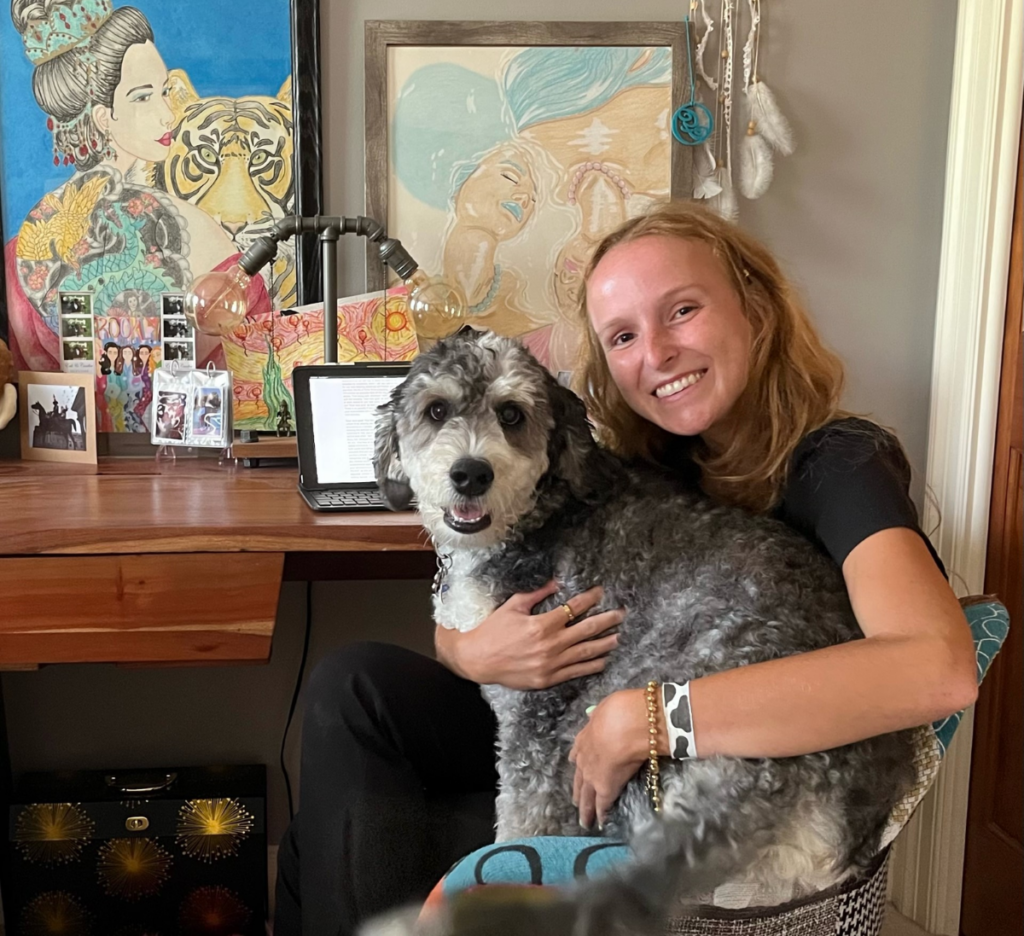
(398, 782)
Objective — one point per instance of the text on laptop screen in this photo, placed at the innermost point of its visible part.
(344, 413)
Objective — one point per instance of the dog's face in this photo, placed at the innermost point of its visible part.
(470, 434)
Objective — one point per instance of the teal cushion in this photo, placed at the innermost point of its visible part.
(539, 861)
(990, 623)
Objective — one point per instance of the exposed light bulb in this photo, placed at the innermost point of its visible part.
(438, 307)
(217, 302)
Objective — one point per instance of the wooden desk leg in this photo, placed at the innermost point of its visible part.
(6, 796)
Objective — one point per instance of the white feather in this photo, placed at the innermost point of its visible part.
(705, 185)
(770, 121)
(724, 203)
(755, 165)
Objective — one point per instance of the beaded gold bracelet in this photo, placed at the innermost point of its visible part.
(653, 768)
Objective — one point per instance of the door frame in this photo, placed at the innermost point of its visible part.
(981, 163)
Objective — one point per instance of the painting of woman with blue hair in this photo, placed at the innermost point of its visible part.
(508, 165)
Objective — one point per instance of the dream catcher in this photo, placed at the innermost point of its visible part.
(767, 130)
(767, 127)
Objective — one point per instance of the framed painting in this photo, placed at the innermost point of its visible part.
(140, 146)
(500, 153)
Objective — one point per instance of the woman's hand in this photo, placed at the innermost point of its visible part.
(520, 650)
(609, 750)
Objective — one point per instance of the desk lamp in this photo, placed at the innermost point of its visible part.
(216, 302)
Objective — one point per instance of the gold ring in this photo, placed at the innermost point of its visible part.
(569, 614)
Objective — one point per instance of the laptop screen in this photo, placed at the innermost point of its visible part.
(344, 413)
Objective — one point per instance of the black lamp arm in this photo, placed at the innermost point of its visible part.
(329, 229)
(264, 249)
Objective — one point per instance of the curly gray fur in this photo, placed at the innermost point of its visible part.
(707, 588)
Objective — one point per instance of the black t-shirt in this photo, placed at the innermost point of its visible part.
(848, 480)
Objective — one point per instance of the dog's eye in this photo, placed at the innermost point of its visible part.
(437, 410)
(510, 415)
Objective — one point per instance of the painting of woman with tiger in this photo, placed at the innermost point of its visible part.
(123, 219)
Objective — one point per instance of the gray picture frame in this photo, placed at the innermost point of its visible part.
(380, 35)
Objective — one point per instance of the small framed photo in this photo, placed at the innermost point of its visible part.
(172, 304)
(176, 327)
(58, 417)
(78, 351)
(76, 326)
(75, 303)
(179, 350)
(171, 419)
(207, 416)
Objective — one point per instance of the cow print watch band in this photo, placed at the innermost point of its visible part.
(675, 699)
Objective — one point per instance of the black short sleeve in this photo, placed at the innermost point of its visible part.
(847, 481)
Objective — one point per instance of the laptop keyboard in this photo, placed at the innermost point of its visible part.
(368, 499)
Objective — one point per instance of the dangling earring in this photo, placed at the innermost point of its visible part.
(109, 152)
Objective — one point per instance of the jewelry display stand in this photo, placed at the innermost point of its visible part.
(192, 413)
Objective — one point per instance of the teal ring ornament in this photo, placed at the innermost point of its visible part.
(692, 124)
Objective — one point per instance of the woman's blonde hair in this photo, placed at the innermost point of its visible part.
(793, 388)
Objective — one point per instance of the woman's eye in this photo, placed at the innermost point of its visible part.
(685, 310)
(437, 410)
(142, 98)
(511, 178)
(510, 415)
(621, 339)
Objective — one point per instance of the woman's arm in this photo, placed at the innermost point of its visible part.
(518, 649)
(916, 665)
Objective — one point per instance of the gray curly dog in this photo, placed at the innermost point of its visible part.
(515, 491)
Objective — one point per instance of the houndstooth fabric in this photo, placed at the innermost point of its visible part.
(858, 911)
(862, 911)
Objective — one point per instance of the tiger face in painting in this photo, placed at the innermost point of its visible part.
(232, 157)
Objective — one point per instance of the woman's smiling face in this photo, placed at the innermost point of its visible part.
(673, 332)
(139, 120)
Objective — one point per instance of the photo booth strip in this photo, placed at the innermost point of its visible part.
(177, 338)
(76, 330)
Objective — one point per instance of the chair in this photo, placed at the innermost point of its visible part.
(855, 908)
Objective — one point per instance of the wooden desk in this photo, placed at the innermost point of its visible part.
(173, 563)
(166, 564)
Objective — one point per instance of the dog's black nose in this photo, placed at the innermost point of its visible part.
(472, 476)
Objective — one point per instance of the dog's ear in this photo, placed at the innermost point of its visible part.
(387, 466)
(573, 454)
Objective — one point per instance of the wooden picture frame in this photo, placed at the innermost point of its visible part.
(308, 156)
(579, 106)
(51, 435)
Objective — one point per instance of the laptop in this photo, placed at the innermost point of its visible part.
(335, 415)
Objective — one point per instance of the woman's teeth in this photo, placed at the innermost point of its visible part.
(681, 384)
